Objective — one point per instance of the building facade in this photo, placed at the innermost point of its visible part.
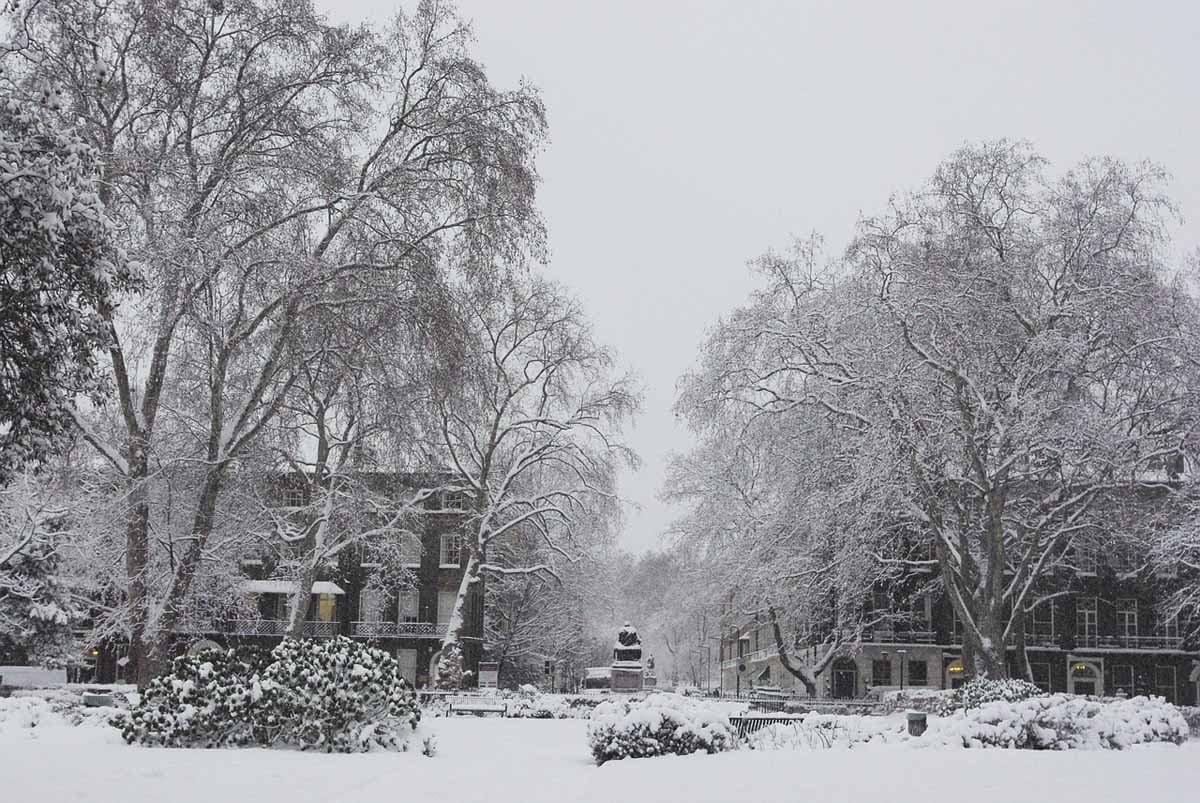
(1098, 636)
(409, 623)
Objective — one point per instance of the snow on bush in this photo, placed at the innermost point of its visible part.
(206, 700)
(662, 724)
(939, 702)
(979, 691)
(336, 695)
(32, 712)
(824, 731)
(1191, 715)
(1063, 722)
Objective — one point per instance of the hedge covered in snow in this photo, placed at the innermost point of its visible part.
(980, 691)
(662, 724)
(338, 695)
(1063, 722)
(823, 731)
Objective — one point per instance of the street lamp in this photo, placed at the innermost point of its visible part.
(902, 654)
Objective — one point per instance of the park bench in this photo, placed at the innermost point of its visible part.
(477, 706)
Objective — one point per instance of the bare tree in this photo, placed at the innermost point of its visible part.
(534, 436)
(996, 357)
(253, 157)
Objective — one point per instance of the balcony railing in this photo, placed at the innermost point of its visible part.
(1130, 642)
(399, 630)
(899, 636)
(260, 627)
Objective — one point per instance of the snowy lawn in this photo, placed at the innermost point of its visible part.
(507, 760)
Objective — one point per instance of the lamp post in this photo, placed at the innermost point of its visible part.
(902, 654)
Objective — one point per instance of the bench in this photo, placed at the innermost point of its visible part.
(477, 706)
(749, 723)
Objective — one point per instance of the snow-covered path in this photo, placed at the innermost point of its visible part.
(506, 761)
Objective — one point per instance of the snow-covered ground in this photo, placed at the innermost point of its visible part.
(506, 761)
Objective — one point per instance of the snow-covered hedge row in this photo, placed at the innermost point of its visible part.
(31, 712)
(980, 691)
(939, 702)
(337, 695)
(824, 731)
(662, 724)
(1063, 722)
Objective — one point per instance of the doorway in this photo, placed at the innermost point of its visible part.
(845, 679)
(1084, 677)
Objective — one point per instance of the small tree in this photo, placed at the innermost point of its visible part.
(37, 606)
(58, 272)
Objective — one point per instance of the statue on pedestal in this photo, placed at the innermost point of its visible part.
(627, 669)
(629, 645)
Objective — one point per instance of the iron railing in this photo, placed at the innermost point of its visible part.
(260, 627)
(399, 630)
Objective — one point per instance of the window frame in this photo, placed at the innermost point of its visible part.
(453, 538)
(1080, 611)
(1117, 682)
(1127, 613)
(1158, 687)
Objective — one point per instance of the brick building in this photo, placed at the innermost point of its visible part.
(1100, 635)
(408, 624)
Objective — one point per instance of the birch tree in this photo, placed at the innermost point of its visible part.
(253, 156)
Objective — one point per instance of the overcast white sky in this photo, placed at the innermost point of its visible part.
(688, 137)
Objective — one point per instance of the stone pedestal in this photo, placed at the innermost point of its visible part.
(628, 673)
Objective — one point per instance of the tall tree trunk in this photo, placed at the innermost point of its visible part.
(809, 679)
(301, 599)
(160, 641)
(137, 558)
(452, 642)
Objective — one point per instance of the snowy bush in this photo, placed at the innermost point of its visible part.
(661, 724)
(1064, 722)
(979, 691)
(206, 700)
(823, 731)
(336, 695)
(1191, 715)
(939, 702)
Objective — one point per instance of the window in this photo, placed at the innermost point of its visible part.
(294, 496)
(1127, 618)
(1164, 682)
(918, 673)
(408, 605)
(1168, 627)
(1085, 621)
(446, 600)
(1085, 559)
(743, 646)
(456, 500)
(1041, 676)
(451, 549)
(1122, 679)
(370, 605)
(918, 612)
(326, 607)
(957, 626)
(881, 673)
(410, 549)
(1039, 623)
